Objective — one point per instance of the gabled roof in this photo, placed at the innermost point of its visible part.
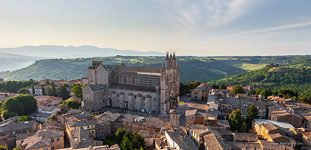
(191, 112)
(284, 125)
(97, 87)
(139, 69)
(214, 142)
(81, 138)
(34, 142)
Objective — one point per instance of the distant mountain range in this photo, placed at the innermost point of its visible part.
(20, 57)
(15, 61)
(51, 51)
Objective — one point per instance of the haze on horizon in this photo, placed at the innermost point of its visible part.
(198, 28)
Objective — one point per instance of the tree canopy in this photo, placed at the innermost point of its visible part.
(237, 89)
(63, 92)
(252, 113)
(77, 91)
(235, 120)
(71, 104)
(29, 103)
(24, 118)
(13, 105)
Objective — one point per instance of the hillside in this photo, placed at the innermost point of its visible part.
(9, 62)
(275, 77)
(191, 68)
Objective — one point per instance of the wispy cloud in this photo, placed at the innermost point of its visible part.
(272, 29)
(203, 14)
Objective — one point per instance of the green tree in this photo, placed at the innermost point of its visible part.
(243, 128)
(266, 92)
(3, 147)
(77, 91)
(23, 91)
(29, 103)
(24, 118)
(47, 82)
(13, 105)
(235, 120)
(126, 144)
(138, 142)
(17, 148)
(71, 104)
(64, 93)
(119, 135)
(258, 91)
(43, 91)
(6, 114)
(52, 83)
(252, 113)
(237, 89)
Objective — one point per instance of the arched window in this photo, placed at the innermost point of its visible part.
(117, 79)
(124, 79)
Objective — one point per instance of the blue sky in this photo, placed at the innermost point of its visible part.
(201, 28)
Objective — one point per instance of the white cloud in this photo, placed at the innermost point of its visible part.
(272, 29)
(203, 14)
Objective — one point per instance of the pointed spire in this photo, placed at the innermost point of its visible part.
(174, 55)
(166, 55)
(162, 65)
(122, 64)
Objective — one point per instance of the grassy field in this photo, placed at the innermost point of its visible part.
(248, 66)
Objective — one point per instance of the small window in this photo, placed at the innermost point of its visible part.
(57, 139)
(52, 147)
(52, 140)
(24, 131)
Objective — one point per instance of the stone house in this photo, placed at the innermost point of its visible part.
(196, 133)
(190, 116)
(212, 102)
(44, 101)
(13, 128)
(109, 117)
(284, 116)
(178, 139)
(73, 124)
(82, 138)
(136, 123)
(45, 139)
(213, 142)
(38, 90)
(201, 92)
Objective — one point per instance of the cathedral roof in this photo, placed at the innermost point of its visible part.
(133, 87)
(140, 69)
(97, 87)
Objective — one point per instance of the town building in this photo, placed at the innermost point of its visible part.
(82, 138)
(5, 96)
(45, 139)
(146, 89)
(201, 92)
(36, 90)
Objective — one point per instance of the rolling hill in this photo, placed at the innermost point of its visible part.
(275, 76)
(191, 68)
